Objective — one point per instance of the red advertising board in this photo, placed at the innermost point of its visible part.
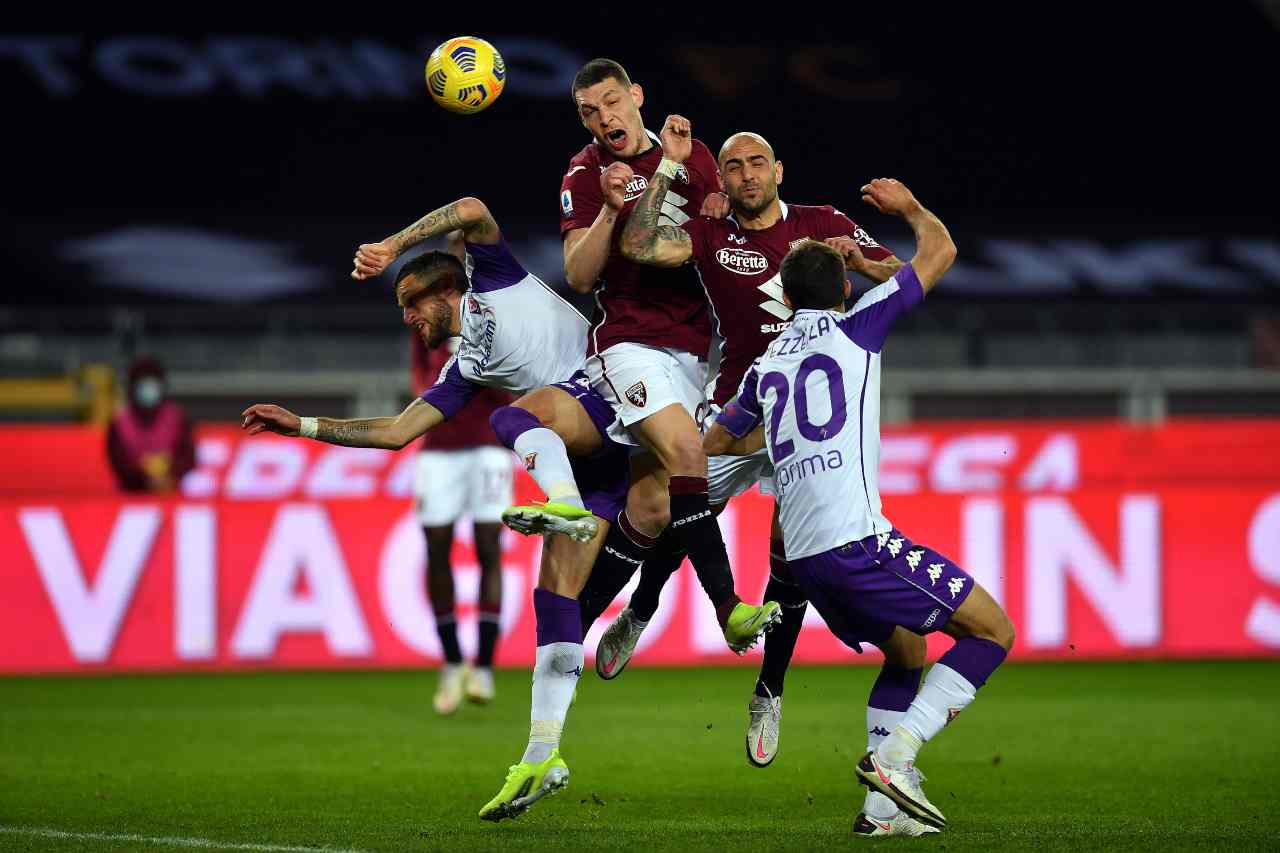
(107, 584)
(950, 458)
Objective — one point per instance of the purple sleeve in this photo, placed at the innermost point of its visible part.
(742, 414)
(868, 323)
(452, 390)
(494, 266)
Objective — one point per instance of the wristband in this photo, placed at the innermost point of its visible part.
(308, 427)
(668, 168)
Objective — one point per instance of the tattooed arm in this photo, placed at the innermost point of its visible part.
(394, 433)
(644, 239)
(647, 242)
(468, 215)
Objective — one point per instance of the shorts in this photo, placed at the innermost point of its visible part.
(639, 380)
(604, 477)
(730, 476)
(865, 589)
(475, 481)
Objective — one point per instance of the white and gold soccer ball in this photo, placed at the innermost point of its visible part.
(465, 74)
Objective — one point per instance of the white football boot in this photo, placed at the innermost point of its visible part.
(865, 826)
(617, 644)
(449, 688)
(479, 685)
(762, 730)
(902, 785)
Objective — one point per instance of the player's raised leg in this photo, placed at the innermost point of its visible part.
(541, 770)
(543, 428)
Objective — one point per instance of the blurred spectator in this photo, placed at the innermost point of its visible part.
(149, 443)
(462, 469)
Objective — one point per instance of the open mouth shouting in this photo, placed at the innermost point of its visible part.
(617, 139)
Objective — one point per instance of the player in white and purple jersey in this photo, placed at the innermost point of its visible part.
(518, 335)
(813, 399)
(737, 260)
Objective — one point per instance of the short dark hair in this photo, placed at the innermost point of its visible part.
(440, 271)
(813, 276)
(597, 71)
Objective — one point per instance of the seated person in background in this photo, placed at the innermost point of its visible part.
(150, 443)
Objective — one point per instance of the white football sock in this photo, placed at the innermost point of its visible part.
(545, 458)
(945, 693)
(555, 675)
(879, 723)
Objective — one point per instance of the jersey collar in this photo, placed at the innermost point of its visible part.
(781, 204)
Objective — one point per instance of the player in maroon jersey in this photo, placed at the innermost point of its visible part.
(462, 468)
(738, 259)
(648, 341)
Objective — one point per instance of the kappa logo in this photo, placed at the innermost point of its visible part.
(954, 586)
(774, 304)
(638, 395)
(881, 539)
(742, 261)
(935, 572)
(913, 558)
(932, 617)
(530, 461)
(737, 238)
(879, 730)
(895, 545)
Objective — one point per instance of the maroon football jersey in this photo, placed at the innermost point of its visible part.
(470, 426)
(638, 303)
(739, 269)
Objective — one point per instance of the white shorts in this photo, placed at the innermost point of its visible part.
(730, 476)
(638, 380)
(477, 481)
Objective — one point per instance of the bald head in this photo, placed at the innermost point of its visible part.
(741, 143)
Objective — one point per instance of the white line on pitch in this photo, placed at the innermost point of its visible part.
(171, 841)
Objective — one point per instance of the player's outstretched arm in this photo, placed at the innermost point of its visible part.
(720, 442)
(468, 215)
(386, 433)
(935, 251)
(644, 240)
(855, 261)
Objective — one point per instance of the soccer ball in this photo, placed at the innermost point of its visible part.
(465, 74)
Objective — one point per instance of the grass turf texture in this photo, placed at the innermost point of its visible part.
(1169, 756)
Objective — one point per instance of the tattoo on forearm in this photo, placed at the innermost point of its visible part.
(643, 230)
(345, 433)
(436, 222)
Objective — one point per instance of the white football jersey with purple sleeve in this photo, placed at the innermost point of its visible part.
(816, 390)
(517, 333)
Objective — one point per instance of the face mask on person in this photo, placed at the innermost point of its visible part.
(148, 392)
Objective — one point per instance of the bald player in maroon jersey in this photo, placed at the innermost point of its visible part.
(649, 337)
(738, 259)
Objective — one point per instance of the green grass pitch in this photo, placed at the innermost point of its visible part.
(1124, 756)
